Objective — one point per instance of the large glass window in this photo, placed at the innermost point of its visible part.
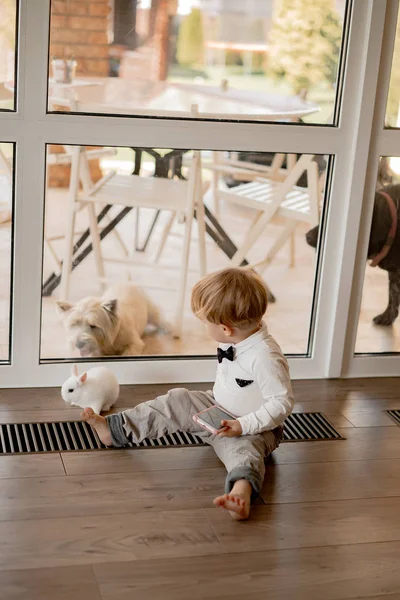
(8, 22)
(6, 217)
(189, 183)
(270, 60)
(115, 226)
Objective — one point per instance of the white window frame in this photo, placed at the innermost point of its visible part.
(31, 128)
(384, 142)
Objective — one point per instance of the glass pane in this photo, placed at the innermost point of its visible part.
(378, 326)
(270, 60)
(6, 212)
(393, 103)
(8, 33)
(134, 218)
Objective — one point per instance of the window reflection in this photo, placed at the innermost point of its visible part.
(6, 215)
(271, 60)
(8, 10)
(129, 230)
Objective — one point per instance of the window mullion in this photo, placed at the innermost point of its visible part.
(383, 143)
(361, 80)
(29, 184)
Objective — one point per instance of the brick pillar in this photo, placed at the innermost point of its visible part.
(161, 40)
(79, 28)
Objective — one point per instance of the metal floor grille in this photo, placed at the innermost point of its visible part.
(395, 415)
(20, 438)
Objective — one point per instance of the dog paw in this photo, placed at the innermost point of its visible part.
(385, 319)
(165, 328)
(271, 297)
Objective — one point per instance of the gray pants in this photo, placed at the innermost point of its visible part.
(242, 456)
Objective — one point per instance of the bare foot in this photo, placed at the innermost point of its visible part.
(238, 505)
(99, 424)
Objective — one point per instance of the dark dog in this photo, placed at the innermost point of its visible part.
(381, 223)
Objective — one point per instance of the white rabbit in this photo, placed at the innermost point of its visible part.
(97, 388)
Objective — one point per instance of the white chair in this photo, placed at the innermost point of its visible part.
(222, 165)
(243, 171)
(271, 197)
(134, 191)
(65, 158)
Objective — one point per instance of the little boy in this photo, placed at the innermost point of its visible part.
(252, 383)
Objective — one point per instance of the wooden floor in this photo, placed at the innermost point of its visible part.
(128, 525)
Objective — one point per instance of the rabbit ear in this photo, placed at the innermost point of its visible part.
(74, 370)
(83, 377)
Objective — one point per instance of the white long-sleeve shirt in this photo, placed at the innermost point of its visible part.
(255, 387)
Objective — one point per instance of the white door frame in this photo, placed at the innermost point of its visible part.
(384, 142)
(31, 128)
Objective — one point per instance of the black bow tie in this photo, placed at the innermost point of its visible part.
(229, 354)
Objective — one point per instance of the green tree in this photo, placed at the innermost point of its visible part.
(304, 42)
(190, 43)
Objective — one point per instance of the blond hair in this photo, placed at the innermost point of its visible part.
(235, 297)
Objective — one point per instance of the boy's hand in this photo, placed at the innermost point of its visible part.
(230, 429)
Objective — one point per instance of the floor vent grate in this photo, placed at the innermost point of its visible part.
(395, 415)
(70, 436)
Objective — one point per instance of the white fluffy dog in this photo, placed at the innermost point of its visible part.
(111, 325)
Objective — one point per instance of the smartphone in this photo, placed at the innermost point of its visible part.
(211, 418)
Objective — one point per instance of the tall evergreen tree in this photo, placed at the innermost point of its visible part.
(304, 42)
(190, 43)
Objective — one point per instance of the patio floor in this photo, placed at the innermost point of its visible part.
(288, 318)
